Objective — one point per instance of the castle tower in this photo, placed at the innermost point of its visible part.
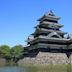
(48, 37)
(48, 44)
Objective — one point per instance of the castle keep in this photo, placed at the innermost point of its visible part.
(48, 44)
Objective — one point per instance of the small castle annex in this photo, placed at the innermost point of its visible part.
(48, 44)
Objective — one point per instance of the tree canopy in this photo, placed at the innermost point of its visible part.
(13, 54)
(17, 51)
(5, 51)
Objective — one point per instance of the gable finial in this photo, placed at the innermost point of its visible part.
(50, 12)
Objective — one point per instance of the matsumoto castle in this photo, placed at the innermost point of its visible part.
(48, 43)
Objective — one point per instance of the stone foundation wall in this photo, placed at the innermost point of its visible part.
(46, 58)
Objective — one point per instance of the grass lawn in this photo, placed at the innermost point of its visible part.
(49, 68)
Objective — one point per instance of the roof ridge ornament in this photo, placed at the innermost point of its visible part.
(50, 12)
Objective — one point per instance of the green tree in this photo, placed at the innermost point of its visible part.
(5, 52)
(17, 52)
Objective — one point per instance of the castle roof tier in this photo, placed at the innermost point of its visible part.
(52, 43)
(46, 31)
(49, 16)
(46, 39)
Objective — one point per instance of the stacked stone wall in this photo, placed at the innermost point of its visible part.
(46, 58)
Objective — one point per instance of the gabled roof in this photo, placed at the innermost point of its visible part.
(54, 34)
(49, 15)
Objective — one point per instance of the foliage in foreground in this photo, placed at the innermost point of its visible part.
(11, 54)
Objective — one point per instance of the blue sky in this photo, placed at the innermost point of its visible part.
(18, 18)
